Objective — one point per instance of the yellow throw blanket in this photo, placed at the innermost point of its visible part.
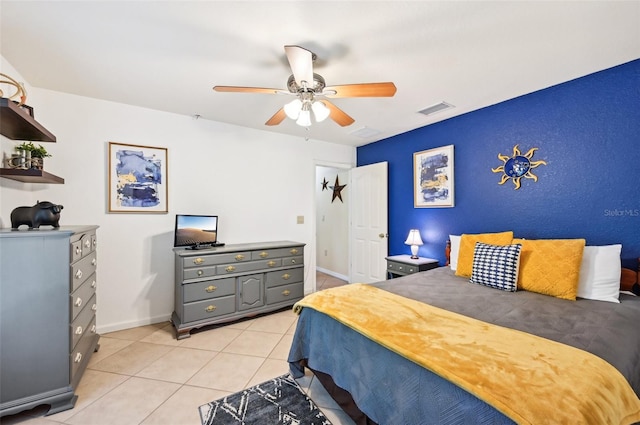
(530, 379)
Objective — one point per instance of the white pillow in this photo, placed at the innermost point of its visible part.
(600, 273)
(455, 250)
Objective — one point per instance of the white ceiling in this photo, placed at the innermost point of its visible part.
(167, 55)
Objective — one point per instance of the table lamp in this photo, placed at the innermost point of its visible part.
(415, 241)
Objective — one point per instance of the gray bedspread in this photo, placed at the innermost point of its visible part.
(393, 390)
(605, 329)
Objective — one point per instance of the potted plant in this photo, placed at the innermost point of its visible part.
(33, 154)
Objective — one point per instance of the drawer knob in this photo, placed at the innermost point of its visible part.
(286, 292)
(264, 254)
(198, 260)
(78, 274)
(94, 261)
(78, 250)
(294, 251)
(87, 243)
(78, 302)
(293, 261)
(230, 269)
(239, 257)
(210, 308)
(400, 267)
(78, 358)
(200, 272)
(79, 330)
(271, 263)
(286, 276)
(93, 284)
(210, 288)
(93, 329)
(95, 243)
(94, 307)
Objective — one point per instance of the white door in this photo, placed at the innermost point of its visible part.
(368, 228)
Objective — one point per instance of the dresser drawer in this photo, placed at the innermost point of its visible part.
(81, 270)
(246, 267)
(215, 259)
(80, 353)
(283, 293)
(293, 261)
(208, 289)
(276, 253)
(82, 323)
(282, 277)
(81, 296)
(198, 272)
(201, 310)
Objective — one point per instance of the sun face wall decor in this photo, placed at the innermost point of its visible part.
(518, 166)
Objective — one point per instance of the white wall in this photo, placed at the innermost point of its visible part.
(332, 229)
(257, 182)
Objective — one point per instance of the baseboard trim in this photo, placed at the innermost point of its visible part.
(332, 273)
(114, 327)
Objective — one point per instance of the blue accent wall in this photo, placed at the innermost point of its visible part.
(588, 132)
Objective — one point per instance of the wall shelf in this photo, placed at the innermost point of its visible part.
(17, 124)
(31, 175)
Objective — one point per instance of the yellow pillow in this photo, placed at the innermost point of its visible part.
(550, 266)
(468, 245)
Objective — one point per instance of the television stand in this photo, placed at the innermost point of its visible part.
(206, 245)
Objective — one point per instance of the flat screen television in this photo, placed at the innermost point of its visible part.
(196, 231)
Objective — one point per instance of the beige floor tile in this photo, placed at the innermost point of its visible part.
(93, 385)
(240, 324)
(132, 359)
(276, 322)
(227, 372)
(271, 368)
(337, 416)
(292, 328)
(165, 335)
(136, 334)
(281, 350)
(253, 343)
(182, 407)
(129, 403)
(108, 346)
(212, 340)
(178, 365)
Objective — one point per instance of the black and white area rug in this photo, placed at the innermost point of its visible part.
(279, 401)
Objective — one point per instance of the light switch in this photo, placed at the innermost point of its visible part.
(300, 219)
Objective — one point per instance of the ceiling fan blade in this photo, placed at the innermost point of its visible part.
(236, 89)
(301, 63)
(338, 115)
(362, 90)
(277, 118)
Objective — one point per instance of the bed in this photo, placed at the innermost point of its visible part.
(380, 352)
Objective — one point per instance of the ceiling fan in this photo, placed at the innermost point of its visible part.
(312, 93)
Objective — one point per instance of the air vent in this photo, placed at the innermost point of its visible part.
(365, 132)
(436, 108)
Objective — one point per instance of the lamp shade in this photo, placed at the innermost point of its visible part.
(320, 111)
(414, 238)
(292, 109)
(415, 241)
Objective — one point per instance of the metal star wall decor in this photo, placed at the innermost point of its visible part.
(324, 184)
(337, 188)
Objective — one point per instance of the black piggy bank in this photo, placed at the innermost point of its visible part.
(42, 213)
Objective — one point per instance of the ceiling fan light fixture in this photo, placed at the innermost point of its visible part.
(293, 108)
(320, 111)
(304, 120)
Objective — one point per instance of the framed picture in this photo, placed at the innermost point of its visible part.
(433, 184)
(137, 179)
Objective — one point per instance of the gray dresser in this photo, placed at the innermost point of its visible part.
(48, 315)
(227, 283)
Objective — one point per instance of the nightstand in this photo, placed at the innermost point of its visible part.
(402, 265)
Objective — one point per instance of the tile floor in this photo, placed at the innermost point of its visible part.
(145, 376)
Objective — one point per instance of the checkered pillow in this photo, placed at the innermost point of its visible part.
(496, 266)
